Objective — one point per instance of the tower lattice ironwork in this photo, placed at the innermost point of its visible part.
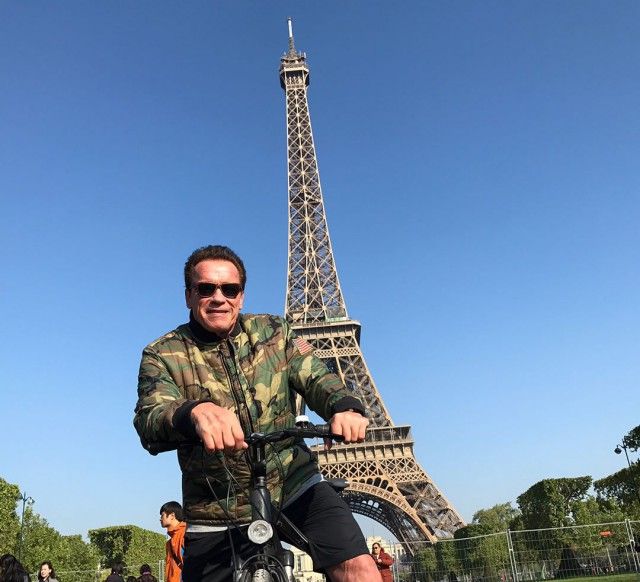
(387, 483)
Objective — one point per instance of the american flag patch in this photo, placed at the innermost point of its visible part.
(304, 347)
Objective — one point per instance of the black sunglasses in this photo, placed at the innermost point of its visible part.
(229, 290)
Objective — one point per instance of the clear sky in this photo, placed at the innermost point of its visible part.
(479, 162)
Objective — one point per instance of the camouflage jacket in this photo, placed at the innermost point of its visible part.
(257, 373)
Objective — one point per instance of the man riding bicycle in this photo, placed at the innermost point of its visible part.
(225, 375)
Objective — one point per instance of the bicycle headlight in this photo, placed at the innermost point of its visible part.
(260, 531)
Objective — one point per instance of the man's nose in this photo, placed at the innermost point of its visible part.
(218, 295)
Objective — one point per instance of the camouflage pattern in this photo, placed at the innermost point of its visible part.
(256, 373)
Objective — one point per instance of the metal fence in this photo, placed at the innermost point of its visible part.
(609, 549)
(100, 574)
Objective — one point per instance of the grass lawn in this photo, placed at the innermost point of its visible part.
(633, 577)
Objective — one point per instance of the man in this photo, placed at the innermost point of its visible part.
(220, 377)
(171, 519)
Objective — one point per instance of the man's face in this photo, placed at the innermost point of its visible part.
(165, 520)
(217, 313)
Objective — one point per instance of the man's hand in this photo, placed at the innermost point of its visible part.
(218, 428)
(351, 425)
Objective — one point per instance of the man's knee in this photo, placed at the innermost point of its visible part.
(356, 569)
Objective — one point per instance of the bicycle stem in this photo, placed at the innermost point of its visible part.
(260, 497)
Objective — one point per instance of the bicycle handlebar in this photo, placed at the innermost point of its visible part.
(306, 431)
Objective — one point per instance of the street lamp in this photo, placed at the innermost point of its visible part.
(619, 449)
(25, 499)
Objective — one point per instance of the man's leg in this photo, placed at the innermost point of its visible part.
(208, 556)
(337, 544)
(356, 569)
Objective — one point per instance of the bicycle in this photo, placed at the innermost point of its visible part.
(269, 561)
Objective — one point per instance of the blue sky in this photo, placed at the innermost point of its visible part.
(479, 162)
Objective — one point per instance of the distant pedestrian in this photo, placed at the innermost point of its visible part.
(11, 570)
(46, 572)
(116, 574)
(146, 575)
(171, 517)
(383, 562)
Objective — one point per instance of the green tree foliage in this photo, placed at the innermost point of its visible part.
(128, 545)
(632, 439)
(482, 546)
(427, 564)
(9, 522)
(595, 510)
(437, 562)
(623, 487)
(42, 542)
(495, 519)
(78, 555)
(550, 502)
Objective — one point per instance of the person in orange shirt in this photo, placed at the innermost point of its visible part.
(171, 519)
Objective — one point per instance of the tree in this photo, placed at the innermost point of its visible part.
(498, 518)
(42, 542)
(79, 555)
(550, 502)
(128, 544)
(597, 510)
(623, 487)
(632, 439)
(482, 546)
(9, 495)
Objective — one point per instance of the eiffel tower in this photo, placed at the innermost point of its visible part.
(387, 483)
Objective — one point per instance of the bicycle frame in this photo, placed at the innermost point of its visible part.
(271, 562)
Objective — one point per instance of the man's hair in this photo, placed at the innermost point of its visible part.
(117, 569)
(213, 253)
(145, 568)
(173, 507)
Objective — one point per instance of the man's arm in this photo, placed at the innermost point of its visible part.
(159, 399)
(323, 391)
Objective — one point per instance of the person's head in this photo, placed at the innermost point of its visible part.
(145, 569)
(46, 571)
(11, 569)
(117, 569)
(214, 281)
(171, 514)
(376, 548)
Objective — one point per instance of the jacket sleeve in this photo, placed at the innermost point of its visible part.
(159, 398)
(386, 559)
(322, 390)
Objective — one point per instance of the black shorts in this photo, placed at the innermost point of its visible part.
(319, 513)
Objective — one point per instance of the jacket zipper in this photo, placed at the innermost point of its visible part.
(236, 389)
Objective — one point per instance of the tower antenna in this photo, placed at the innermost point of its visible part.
(292, 48)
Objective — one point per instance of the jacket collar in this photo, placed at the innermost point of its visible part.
(208, 337)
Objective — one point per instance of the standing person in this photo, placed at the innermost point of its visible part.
(11, 570)
(171, 518)
(146, 575)
(46, 572)
(116, 574)
(225, 375)
(383, 562)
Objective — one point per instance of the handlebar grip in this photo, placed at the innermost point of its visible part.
(324, 430)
